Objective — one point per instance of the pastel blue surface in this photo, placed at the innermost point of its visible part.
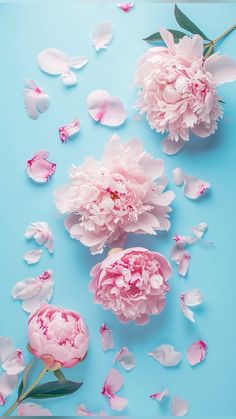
(25, 30)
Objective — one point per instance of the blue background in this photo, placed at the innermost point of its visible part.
(26, 29)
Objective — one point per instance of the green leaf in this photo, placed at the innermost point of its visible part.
(156, 37)
(59, 374)
(54, 389)
(20, 389)
(187, 24)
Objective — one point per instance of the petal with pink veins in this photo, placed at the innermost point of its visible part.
(166, 355)
(160, 395)
(125, 7)
(106, 109)
(190, 298)
(32, 409)
(106, 338)
(196, 353)
(8, 384)
(69, 130)
(81, 410)
(113, 383)
(41, 233)
(33, 256)
(39, 168)
(36, 101)
(179, 407)
(102, 35)
(194, 187)
(126, 359)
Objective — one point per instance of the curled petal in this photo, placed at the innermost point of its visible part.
(81, 410)
(126, 359)
(8, 384)
(166, 355)
(102, 35)
(32, 409)
(160, 395)
(196, 353)
(106, 337)
(106, 109)
(125, 7)
(33, 256)
(190, 298)
(36, 101)
(194, 187)
(41, 233)
(199, 230)
(39, 168)
(179, 407)
(69, 130)
(68, 78)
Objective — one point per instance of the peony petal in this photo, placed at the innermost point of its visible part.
(69, 130)
(113, 382)
(106, 337)
(41, 233)
(160, 395)
(106, 109)
(179, 407)
(6, 348)
(102, 35)
(126, 359)
(53, 61)
(81, 410)
(8, 384)
(199, 230)
(178, 176)
(190, 298)
(194, 187)
(184, 264)
(68, 78)
(14, 363)
(39, 168)
(166, 355)
(196, 353)
(32, 409)
(118, 403)
(35, 99)
(33, 256)
(171, 147)
(222, 68)
(78, 62)
(125, 7)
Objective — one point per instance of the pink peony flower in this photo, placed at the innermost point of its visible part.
(106, 200)
(132, 283)
(58, 337)
(178, 89)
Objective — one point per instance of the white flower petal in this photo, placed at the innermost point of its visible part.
(166, 355)
(69, 78)
(102, 35)
(41, 233)
(106, 109)
(178, 176)
(160, 395)
(194, 187)
(179, 407)
(35, 99)
(6, 348)
(199, 230)
(78, 62)
(106, 338)
(33, 256)
(14, 363)
(171, 147)
(126, 359)
(53, 61)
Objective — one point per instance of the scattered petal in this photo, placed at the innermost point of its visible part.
(166, 355)
(11, 359)
(196, 353)
(41, 233)
(125, 7)
(32, 409)
(199, 230)
(171, 147)
(160, 395)
(34, 291)
(113, 383)
(81, 410)
(39, 168)
(36, 101)
(69, 130)
(181, 257)
(68, 78)
(178, 176)
(8, 384)
(106, 109)
(78, 62)
(102, 35)
(190, 298)
(179, 407)
(126, 359)
(33, 256)
(106, 337)
(194, 187)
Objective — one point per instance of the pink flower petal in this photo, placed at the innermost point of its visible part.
(106, 337)
(78, 62)
(39, 168)
(69, 130)
(34, 291)
(36, 101)
(53, 61)
(179, 407)
(166, 355)
(113, 382)
(32, 409)
(41, 233)
(106, 109)
(160, 395)
(81, 410)
(11, 359)
(183, 264)
(222, 68)
(196, 353)
(125, 7)
(102, 35)
(194, 187)
(178, 176)
(69, 78)
(126, 359)
(8, 384)
(171, 147)
(6, 348)
(199, 230)
(190, 298)
(33, 256)
(118, 403)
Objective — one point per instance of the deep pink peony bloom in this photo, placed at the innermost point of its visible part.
(178, 89)
(58, 337)
(118, 195)
(132, 283)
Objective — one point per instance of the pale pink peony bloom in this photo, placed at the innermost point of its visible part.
(125, 7)
(106, 338)
(123, 193)
(39, 168)
(179, 407)
(58, 337)
(196, 353)
(160, 395)
(178, 89)
(126, 359)
(132, 283)
(166, 355)
(69, 130)
(32, 409)
(113, 383)
(41, 233)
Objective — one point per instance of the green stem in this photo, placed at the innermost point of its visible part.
(224, 34)
(26, 393)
